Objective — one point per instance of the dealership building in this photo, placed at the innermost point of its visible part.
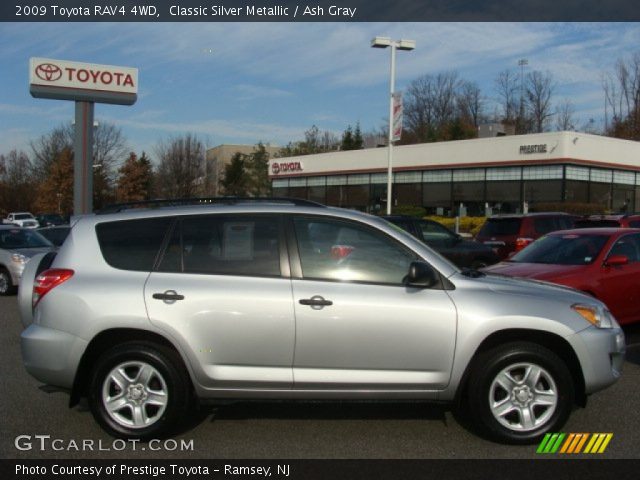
(497, 174)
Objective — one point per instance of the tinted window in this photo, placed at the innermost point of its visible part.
(629, 246)
(18, 238)
(132, 244)
(224, 245)
(545, 225)
(495, 227)
(569, 249)
(597, 223)
(56, 236)
(22, 216)
(433, 232)
(635, 224)
(338, 250)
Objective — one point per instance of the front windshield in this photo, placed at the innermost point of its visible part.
(18, 238)
(568, 249)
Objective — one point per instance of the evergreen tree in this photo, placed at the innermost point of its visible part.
(235, 180)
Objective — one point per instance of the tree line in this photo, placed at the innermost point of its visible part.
(437, 107)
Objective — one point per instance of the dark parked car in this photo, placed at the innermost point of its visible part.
(50, 219)
(622, 221)
(464, 253)
(603, 262)
(55, 235)
(511, 233)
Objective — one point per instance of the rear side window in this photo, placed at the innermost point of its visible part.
(634, 224)
(495, 227)
(224, 245)
(132, 244)
(546, 225)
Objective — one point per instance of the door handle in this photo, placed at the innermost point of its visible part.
(169, 295)
(315, 301)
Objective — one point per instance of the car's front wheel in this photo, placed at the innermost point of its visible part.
(139, 390)
(520, 391)
(6, 285)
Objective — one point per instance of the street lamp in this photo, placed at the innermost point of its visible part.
(384, 42)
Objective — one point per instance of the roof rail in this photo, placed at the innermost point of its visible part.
(177, 202)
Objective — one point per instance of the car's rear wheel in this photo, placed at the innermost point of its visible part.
(520, 391)
(139, 390)
(6, 285)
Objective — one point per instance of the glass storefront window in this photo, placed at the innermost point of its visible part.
(408, 193)
(576, 191)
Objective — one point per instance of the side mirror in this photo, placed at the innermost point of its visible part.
(616, 260)
(421, 275)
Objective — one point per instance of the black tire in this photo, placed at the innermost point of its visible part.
(170, 377)
(6, 284)
(483, 387)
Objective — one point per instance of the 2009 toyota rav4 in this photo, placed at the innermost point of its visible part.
(140, 311)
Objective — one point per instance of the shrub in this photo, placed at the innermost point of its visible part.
(410, 210)
(470, 225)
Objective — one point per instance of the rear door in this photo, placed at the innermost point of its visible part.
(222, 289)
(357, 326)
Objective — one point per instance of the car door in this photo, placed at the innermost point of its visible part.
(358, 327)
(221, 289)
(620, 284)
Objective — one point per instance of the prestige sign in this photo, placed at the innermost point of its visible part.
(528, 149)
(65, 80)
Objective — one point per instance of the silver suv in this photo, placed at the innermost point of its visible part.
(144, 311)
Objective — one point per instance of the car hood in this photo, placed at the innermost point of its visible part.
(545, 291)
(539, 271)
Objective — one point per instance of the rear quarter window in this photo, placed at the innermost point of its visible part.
(132, 244)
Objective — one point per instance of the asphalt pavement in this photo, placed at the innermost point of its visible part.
(30, 413)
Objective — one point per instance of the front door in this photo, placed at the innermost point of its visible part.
(357, 326)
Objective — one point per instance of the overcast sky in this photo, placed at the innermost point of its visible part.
(251, 82)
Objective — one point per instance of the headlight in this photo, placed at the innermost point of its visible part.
(595, 315)
(19, 258)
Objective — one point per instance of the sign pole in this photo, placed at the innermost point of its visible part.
(83, 159)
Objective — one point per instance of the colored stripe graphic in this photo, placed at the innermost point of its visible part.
(573, 443)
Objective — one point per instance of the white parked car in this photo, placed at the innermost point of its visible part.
(22, 219)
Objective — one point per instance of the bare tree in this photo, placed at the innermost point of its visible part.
(540, 87)
(16, 181)
(181, 166)
(506, 87)
(431, 105)
(565, 119)
(47, 149)
(622, 96)
(471, 103)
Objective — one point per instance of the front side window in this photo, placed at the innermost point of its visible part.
(629, 246)
(345, 251)
(224, 245)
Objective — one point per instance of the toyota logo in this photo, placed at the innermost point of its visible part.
(275, 168)
(48, 72)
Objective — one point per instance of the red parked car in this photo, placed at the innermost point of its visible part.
(512, 232)
(602, 262)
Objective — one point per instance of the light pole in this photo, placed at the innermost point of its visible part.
(523, 62)
(384, 42)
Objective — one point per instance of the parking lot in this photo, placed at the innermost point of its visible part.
(293, 430)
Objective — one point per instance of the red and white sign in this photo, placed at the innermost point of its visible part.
(286, 167)
(397, 117)
(85, 76)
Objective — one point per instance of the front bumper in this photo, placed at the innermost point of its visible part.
(601, 355)
(16, 270)
(51, 356)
